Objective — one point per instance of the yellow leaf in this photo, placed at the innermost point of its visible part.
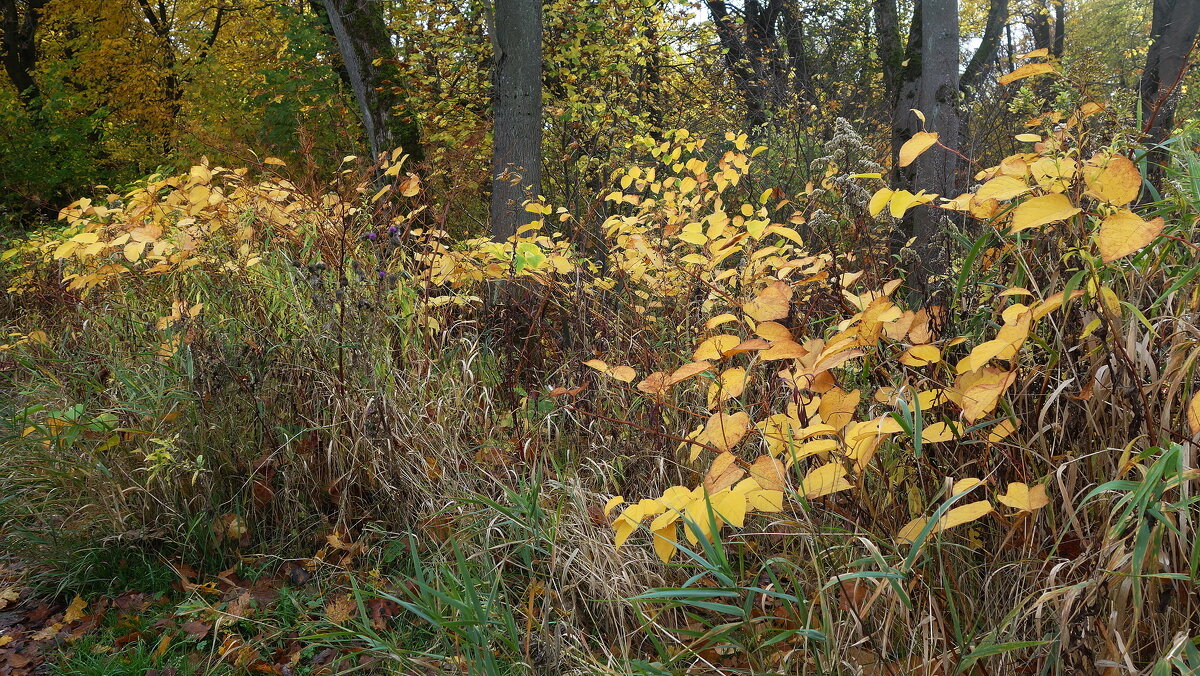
(784, 349)
(719, 320)
(911, 530)
(964, 485)
(921, 355)
(625, 374)
(714, 347)
(684, 372)
(1113, 179)
(772, 303)
(938, 432)
(730, 385)
(730, 507)
(1028, 70)
(666, 541)
(1025, 498)
(74, 611)
(837, 407)
(622, 529)
(1042, 210)
(903, 200)
(913, 147)
(724, 430)
(1193, 415)
(133, 251)
(1003, 429)
(276, 161)
(1124, 233)
(765, 500)
(965, 514)
(824, 480)
(978, 392)
(769, 473)
(411, 185)
(773, 331)
(612, 502)
(879, 200)
(1001, 188)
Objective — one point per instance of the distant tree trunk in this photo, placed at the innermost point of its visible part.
(924, 76)
(363, 38)
(1060, 28)
(751, 53)
(797, 53)
(1173, 30)
(989, 45)
(517, 117)
(19, 47)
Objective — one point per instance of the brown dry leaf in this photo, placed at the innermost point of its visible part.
(9, 596)
(340, 609)
(47, 632)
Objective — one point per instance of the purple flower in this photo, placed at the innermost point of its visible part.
(392, 230)
(371, 235)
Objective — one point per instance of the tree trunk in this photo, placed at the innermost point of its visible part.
(797, 53)
(1173, 31)
(926, 78)
(19, 48)
(517, 117)
(363, 39)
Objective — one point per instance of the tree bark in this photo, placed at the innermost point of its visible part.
(1173, 30)
(363, 40)
(924, 76)
(19, 47)
(517, 116)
